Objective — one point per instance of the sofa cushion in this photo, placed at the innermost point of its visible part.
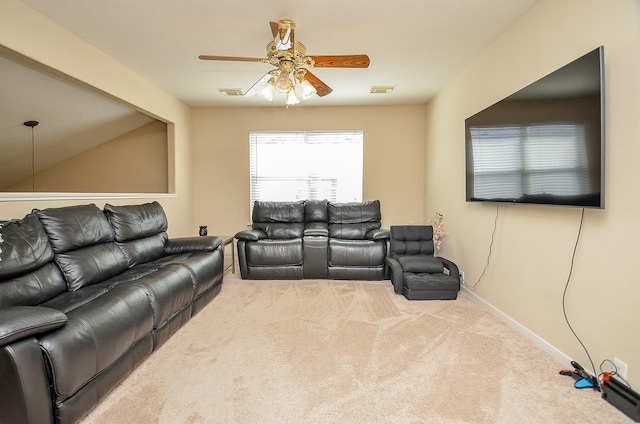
(169, 290)
(28, 274)
(275, 253)
(82, 240)
(205, 269)
(315, 211)
(25, 248)
(134, 222)
(279, 220)
(276, 230)
(352, 231)
(71, 300)
(73, 227)
(287, 212)
(356, 253)
(412, 239)
(96, 335)
(144, 250)
(91, 265)
(354, 212)
(353, 220)
(32, 288)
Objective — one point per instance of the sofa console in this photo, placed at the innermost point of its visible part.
(314, 239)
(85, 295)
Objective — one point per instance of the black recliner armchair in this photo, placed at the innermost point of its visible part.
(415, 272)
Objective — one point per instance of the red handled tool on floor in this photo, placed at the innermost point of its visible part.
(582, 378)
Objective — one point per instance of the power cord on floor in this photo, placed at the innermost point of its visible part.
(564, 294)
(493, 233)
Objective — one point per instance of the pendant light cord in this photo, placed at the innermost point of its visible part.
(33, 161)
(32, 124)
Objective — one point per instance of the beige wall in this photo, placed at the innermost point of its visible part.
(139, 157)
(393, 152)
(533, 245)
(32, 35)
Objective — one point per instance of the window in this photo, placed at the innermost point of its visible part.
(536, 159)
(288, 166)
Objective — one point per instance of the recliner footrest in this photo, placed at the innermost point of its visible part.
(430, 286)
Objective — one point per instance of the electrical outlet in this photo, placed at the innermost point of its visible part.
(462, 277)
(621, 367)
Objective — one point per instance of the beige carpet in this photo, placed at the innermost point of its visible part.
(319, 351)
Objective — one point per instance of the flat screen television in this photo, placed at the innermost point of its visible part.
(543, 144)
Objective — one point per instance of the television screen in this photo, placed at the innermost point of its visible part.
(543, 144)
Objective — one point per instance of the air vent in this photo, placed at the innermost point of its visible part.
(231, 91)
(382, 89)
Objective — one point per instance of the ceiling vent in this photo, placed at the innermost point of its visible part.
(231, 91)
(382, 89)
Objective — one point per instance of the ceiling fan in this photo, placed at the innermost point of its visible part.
(291, 61)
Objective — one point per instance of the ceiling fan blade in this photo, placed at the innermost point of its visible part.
(231, 58)
(255, 88)
(341, 61)
(322, 89)
(275, 26)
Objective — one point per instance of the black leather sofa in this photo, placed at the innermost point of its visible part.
(85, 295)
(314, 239)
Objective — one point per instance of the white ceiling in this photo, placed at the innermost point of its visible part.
(415, 45)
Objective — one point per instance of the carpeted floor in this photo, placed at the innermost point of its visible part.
(319, 351)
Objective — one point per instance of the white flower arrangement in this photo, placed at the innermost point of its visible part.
(439, 230)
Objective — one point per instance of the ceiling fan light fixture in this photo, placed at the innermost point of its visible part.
(307, 89)
(284, 83)
(267, 90)
(292, 99)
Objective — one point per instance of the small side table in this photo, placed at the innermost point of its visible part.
(226, 241)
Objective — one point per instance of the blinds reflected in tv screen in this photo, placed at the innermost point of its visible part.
(543, 144)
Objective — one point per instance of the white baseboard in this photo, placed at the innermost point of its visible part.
(537, 340)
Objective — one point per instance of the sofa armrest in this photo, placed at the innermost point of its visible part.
(251, 235)
(396, 274)
(19, 322)
(379, 234)
(192, 244)
(451, 267)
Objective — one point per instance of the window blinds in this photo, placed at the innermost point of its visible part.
(298, 165)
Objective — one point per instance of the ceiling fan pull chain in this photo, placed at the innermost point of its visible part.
(283, 41)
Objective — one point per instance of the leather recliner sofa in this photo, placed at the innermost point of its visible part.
(314, 239)
(85, 295)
